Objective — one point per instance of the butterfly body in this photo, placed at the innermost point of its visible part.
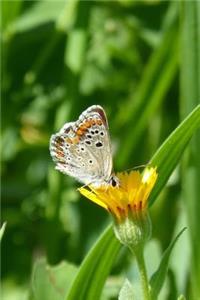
(82, 149)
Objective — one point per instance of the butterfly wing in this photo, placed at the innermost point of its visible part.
(82, 149)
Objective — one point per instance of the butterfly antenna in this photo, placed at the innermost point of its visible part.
(137, 167)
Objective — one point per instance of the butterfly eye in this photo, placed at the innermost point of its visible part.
(113, 182)
(90, 161)
(102, 133)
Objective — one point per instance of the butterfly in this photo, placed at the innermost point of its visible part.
(82, 149)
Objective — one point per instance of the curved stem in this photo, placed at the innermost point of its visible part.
(138, 252)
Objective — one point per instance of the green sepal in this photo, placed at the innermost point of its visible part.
(134, 230)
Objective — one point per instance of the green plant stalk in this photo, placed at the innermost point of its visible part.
(139, 255)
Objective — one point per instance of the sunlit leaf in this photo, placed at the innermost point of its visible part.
(169, 153)
(158, 277)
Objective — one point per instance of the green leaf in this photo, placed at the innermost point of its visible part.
(180, 270)
(38, 14)
(52, 282)
(10, 11)
(95, 268)
(2, 230)
(158, 277)
(190, 97)
(126, 292)
(168, 155)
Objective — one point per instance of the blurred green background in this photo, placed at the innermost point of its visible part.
(58, 58)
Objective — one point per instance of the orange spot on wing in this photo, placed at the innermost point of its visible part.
(84, 126)
(59, 154)
(58, 148)
(80, 132)
(99, 122)
(75, 140)
(88, 124)
(68, 140)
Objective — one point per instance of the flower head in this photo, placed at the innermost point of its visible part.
(129, 197)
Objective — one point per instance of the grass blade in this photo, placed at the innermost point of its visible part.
(168, 155)
(190, 97)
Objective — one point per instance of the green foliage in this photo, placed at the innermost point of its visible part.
(51, 282)
(152, 89)
(190, 97)
(95, 268)
(58, 58)
(167, 156)
(158, 278)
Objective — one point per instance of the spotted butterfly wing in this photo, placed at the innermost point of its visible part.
(82, 149)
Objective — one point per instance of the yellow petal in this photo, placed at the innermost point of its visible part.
(91, 196)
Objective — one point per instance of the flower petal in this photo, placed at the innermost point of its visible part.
(92, 196)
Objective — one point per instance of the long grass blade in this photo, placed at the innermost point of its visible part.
(190, 97)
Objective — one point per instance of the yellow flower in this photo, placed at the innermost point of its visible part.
(126, 199)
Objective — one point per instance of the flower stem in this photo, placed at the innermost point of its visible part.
(138, 252)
